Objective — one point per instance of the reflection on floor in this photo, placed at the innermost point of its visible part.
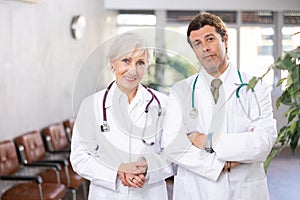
(284, 176)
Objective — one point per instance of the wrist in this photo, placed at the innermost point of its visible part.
(208, 143)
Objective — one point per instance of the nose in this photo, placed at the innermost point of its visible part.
(132, 68)
(205, 46)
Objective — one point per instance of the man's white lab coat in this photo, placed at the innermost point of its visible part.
(199, 174)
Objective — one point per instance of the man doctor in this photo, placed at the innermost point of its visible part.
(217, 132)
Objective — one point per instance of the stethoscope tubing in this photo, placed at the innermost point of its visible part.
(242, 84)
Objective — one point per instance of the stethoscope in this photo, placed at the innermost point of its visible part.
(194, 111)
(105, 127)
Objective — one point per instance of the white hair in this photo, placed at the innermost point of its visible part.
(126, 43)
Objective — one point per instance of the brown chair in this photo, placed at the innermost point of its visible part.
(33, 188)
(56, 139)
(68, 125)
(34, 152)
(56, 142)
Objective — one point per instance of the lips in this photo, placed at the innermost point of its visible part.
(208, 56)
(130, 78)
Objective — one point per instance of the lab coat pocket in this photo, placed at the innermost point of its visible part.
(255, 190)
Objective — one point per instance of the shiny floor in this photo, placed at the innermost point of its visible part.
(283, 177)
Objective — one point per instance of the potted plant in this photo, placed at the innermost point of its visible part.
(289, 134)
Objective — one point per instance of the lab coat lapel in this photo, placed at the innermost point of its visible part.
(231, 83)
(205, 104)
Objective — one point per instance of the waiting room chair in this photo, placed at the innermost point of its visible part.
(34, 152)
(56, 139)
(68, 125)
(56, 142)
(34, 188)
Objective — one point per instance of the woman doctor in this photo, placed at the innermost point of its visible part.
(117, 133)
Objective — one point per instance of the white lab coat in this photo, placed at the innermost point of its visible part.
(199, 174)
(96, 155)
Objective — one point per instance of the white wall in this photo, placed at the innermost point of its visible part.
(275, 5)
(39, 60)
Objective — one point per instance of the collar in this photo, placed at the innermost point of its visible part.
(222, 77)
(114, 92)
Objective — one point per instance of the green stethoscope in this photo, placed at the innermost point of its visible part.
(194, 111)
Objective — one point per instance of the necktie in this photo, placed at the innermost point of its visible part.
(215, 84)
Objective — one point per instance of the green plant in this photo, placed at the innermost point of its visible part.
(289, 134)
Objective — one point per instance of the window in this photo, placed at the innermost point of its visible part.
(129, 20)
(256, 51)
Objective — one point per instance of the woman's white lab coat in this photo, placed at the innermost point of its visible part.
(96, 155)
(199, 174)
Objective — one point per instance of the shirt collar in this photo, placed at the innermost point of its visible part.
(222, 77)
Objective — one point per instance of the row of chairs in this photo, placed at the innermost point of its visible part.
(48, 148)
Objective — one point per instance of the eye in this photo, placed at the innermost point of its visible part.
(141, 63)
(196, 44)
(210, 39)
(126, 60)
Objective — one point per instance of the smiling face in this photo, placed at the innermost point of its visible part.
(210, 49)
(129, 70)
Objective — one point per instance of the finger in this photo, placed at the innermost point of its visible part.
(142, 176)
(132, 182)
(137, 182)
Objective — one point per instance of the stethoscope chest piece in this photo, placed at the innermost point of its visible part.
(194, 113)
(105, 127)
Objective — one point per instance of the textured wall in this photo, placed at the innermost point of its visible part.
(39, 59)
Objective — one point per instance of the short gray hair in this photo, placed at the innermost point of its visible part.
(126, 43)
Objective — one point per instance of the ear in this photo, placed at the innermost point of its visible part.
(225, 40)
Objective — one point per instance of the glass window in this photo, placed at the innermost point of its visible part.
(128, 20)
(257, 17)
(180, 16)
(226, 16)
(291, 17)
(290, 40)
(256, 51)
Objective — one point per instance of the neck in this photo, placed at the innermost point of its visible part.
(221, 69)
(129, 92)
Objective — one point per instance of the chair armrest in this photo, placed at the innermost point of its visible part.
(37, 179)
(56, 166)
(65, 151)
(63, 162)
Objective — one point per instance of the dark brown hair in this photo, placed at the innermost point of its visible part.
(206, 19)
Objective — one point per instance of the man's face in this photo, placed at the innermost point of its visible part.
(210, 49)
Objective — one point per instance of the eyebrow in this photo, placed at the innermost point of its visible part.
(210, 35)
(206, 36)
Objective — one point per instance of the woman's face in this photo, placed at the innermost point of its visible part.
(129, 70)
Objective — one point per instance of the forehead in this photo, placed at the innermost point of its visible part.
(203, 32)
(135, 54)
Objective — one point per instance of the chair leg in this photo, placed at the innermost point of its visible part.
(73, 194)
(84, 190)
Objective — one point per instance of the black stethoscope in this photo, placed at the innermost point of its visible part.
(105, 127)
(194, 111)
